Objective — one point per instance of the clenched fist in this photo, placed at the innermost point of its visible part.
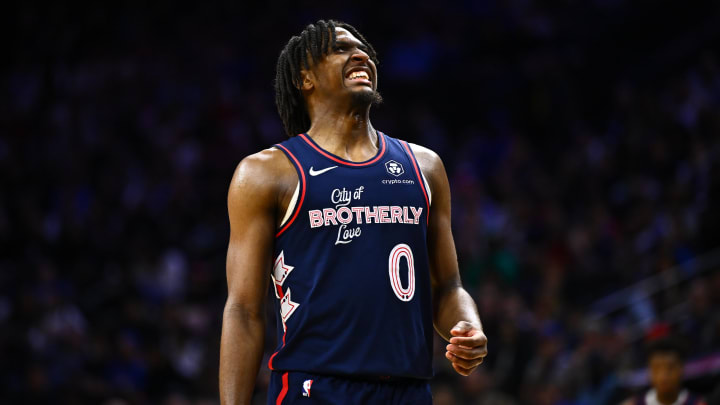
(467, 348)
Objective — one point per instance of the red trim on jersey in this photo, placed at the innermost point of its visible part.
(420, 179)
(270, 361)
(283, 345)
(302, 195)
(343, 161)
(284, 390)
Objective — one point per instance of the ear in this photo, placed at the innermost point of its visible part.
(307, 80)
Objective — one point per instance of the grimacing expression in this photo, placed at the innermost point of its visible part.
(666, 372)
(346, 68)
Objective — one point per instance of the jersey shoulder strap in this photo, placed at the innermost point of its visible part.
(291, 150)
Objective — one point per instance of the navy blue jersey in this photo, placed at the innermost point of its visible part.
(299, 388)
(351, 272)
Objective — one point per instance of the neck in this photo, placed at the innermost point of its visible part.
(667, 398)
(348, 134)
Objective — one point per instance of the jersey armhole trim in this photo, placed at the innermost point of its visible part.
(291, 205)
(427, 187)
(302, 186)
(420, 177)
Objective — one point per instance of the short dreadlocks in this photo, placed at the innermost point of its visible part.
(313, 43)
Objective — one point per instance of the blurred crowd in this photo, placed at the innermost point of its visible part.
(581, 140)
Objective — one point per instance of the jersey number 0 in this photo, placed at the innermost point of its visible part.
(396, 255)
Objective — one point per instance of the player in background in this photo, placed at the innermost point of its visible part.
(665, 369)
(329, 75)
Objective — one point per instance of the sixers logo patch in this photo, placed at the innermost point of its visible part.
(306, 388)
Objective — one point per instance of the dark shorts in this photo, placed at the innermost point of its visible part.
(294, 387)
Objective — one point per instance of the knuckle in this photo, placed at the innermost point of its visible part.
(462, 325)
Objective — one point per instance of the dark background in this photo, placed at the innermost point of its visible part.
(581, 139)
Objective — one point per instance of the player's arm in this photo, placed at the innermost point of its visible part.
(455, 314)
(252, 207)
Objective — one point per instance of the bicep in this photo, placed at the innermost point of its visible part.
(252, 227)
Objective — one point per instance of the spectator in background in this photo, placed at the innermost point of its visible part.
(665, 369)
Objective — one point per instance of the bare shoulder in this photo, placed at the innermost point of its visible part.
(265, 174)
(430, 164)
(427, 158)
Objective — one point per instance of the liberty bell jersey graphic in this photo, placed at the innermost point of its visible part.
(351, 269)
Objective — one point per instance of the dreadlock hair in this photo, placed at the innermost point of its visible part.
(313, 43)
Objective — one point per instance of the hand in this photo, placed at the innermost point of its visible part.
(467, 348)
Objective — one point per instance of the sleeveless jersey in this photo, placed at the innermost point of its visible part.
(351, 269)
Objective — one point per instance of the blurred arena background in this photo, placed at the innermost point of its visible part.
(581, 138)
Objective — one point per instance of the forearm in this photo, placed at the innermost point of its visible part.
(241, 350)
(453, 304)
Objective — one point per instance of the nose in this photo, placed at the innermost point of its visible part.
(360, 56)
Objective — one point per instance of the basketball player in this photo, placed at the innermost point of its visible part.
(665, 369)
(353, 227)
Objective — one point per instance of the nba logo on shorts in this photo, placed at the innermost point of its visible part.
(394, 168)
(306, 388)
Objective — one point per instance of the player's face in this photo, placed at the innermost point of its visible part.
(665, 372)
(347, 69)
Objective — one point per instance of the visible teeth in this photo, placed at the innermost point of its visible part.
(360, 74)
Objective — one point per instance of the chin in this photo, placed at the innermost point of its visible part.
(366, 97)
